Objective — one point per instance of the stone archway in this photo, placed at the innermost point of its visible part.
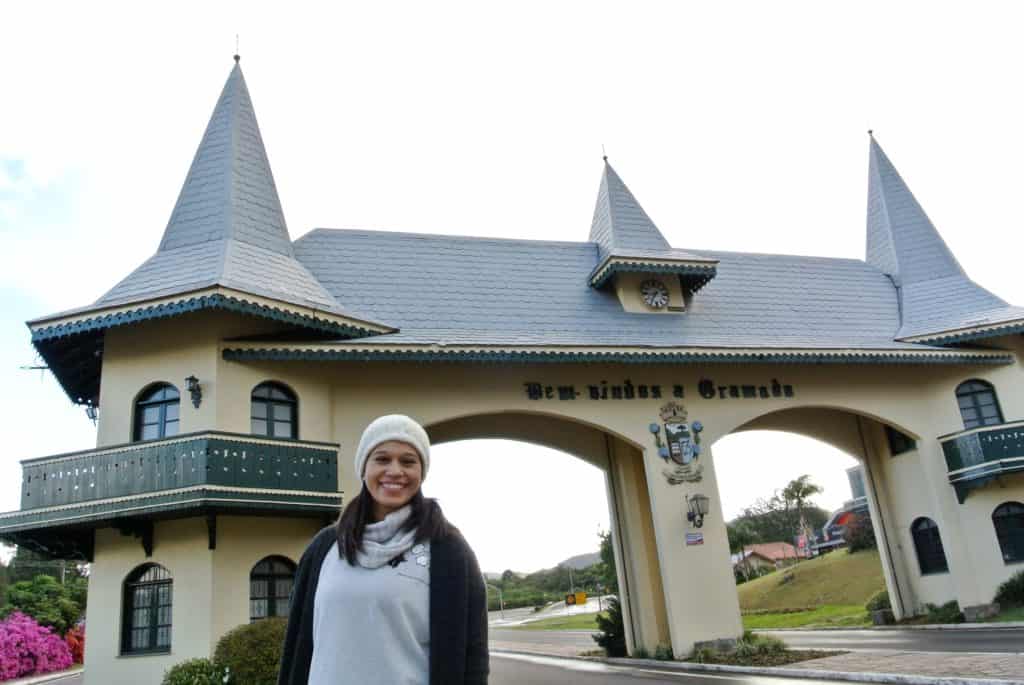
(863, 437)
(636, 554)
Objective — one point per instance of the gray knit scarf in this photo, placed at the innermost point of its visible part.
(384, 540)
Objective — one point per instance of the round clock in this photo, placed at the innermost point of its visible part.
(655, 293)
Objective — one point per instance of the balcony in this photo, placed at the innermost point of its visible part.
(980, 455)
(65, 497)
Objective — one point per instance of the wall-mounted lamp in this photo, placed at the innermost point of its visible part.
(698, 509)
(192, 385)
(92, 411)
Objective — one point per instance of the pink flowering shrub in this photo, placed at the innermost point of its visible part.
(27, 648)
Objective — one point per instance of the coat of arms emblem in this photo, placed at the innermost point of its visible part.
(680, 447)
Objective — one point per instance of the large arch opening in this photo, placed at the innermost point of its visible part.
(606, 477)
(852, 456)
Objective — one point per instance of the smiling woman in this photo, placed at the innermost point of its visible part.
(392, 592)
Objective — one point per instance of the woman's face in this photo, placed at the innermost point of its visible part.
(393, 475)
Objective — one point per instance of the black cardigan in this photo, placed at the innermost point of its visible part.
(458, 614)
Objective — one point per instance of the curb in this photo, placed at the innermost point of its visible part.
(1009, 625)
(778, 672)
(49, 677)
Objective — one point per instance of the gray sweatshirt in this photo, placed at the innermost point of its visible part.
(372, 626)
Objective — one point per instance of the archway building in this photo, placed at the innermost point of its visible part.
(234, 371)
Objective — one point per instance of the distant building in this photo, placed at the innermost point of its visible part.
(833, 530)
(767, 555)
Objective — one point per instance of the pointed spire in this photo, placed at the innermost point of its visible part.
(620, 223)
(229, 191)
(901, 240)
(227, 229)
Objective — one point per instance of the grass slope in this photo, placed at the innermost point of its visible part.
(837, 578)
(574, 622)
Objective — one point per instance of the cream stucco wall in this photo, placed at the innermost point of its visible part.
(680, 594)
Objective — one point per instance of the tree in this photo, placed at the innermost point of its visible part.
(45, 600)
(798, 492)
(613, 632)
(607, 575)
(741, 534)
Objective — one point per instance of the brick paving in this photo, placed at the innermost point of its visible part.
(949, 664)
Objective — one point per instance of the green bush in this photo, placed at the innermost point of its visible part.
(879, 602)
(641, 653)
(947, 613)
(1011, 593)
(195, 672)
(44, 599)
(703, 655)
(859, 534)
(664, 653)
(612, 637)
(252, 652)
(751, 644)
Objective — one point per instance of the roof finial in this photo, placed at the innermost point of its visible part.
(604, 155)
(871, 133)
(237, 56)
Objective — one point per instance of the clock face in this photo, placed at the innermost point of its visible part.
(655, 293)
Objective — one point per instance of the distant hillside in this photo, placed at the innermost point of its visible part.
(581, 561)
(576, 563)
(835, 578)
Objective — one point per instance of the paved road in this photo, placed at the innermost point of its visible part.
(507, 669)
(1003, 641)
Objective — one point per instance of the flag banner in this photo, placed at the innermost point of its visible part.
(694, 539)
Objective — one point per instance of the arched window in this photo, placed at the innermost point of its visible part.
(978, 404)
(275, 411)
(156, 412)
(146, 622)
(931, 557)
(270, 587)
(1008, 518)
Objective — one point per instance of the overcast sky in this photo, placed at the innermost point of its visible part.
(739, 126)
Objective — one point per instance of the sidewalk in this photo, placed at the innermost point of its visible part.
(879, 666)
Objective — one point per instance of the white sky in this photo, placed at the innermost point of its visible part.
(739, 126)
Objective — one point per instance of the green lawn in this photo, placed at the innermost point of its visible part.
(574, 622)
(829, 615)
(837, 579)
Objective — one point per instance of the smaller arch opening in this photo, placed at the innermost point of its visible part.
(274, 411)
(157, 412)
(1008, 520)
(978, 404)
(931, 557)
(147, 610)
(270, 587)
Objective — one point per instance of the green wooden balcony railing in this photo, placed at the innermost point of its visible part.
(980, 455)
(210, 458)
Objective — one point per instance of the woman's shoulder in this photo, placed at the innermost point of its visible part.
(321, 543)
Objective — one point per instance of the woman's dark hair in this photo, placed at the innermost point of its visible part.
(425, 518)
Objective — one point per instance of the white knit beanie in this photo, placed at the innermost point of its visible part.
(393, 427)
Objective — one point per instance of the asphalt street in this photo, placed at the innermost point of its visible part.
(973, 640)
(507, 669)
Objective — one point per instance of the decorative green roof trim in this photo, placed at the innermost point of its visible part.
(980, 333)
(695, 275)
(194, 304)
(178, 503)
(542, 357)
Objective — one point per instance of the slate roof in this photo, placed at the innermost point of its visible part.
(227, 227)
(461, 290)
(621, 229)
(937, 298)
